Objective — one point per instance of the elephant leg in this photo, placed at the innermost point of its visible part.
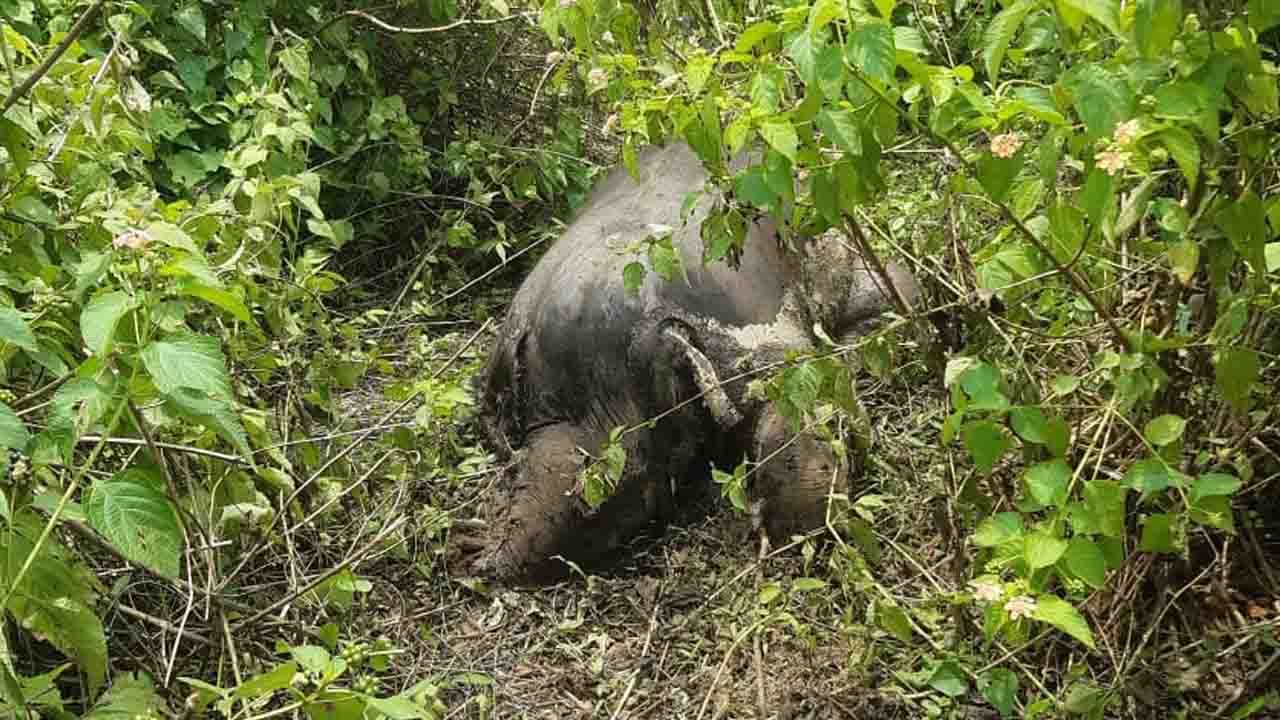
(792, 485)
(540, 511)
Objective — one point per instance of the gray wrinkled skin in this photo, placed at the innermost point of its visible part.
(578, 355)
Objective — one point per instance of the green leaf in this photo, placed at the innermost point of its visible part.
(893, 620)
(1062, 615)
(949, 679)
(1185, 151)
(1105, 500)
(1105, 12)
(134, 515)
(1084, 698)
(213, 413)
(1001, 31)
(805, 54)
(185, 360)
(1042, 550)
(1101, 98)
(1065, 384)
(169, 234)
(399, 707)
(100, 317)
(753, 35)
(781, 136)
(33, 209)
(1156, 24)
(263, 685)
(1184, 259)
(219, 298)
(996, 174)
(633, 276)
(1095, 199)
(191, 18)
(55, 597)
(1263, 15)
(14, 329)
(1214, 484)
(986, 442)
(1047, 482)
(982, 384)
(296, 62)
(1236, 371)
(1164, 430)
(841, 127)
(1085, 560)
(998, 529)
(1161, 534)
(1148, 476)
(1244, 222)
(870, 50)
(1001, 691)
(130, 696)
(13, 433)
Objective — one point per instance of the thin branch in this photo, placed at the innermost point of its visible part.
(424, 30)
(76, 31)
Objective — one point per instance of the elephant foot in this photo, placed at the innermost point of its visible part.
(792, 487)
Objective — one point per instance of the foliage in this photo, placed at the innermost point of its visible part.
(1123, 155)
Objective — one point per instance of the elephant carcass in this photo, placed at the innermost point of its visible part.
(579, 355)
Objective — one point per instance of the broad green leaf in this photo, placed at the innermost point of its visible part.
(89, 271)
(1214, 511)
(1065, 384)
(213, 413)
(134, 515)
(1184, 259)
(1085, 698)
(804, 51)
(79, 404)
(1001, 691)
(1214, 484)
(996, 174)
(33, 209)
(296, 62)
(841, 127)
(14, 329)
(1148, 476)
(633, 276)
(1236, 371)
(1029, 422)
(100, 317)
(1105, 12)
(781, 136)
(822, 13)
(1105, 500)
(1263, 15)
(219, 298)
(769, 593)
(191, 18)
(885, 8)
(1096, 198)
(1001, 31)
(169, 234)
(870, 50)
(1185, 151)
(56, 597)
(1101, 98)
(986, 442)
(1063, 615)
(13, 433)
(1047, 482)
(1156, 24)
(185, 360)
(1161, 533)
(1085, 560)
(1245, 224)
(982, 384)
(998, 529)
(894, 620)
(130, 696)
(1042, 550)
(949, 679)
(1164, 430)
(753, 35)
(263, 685)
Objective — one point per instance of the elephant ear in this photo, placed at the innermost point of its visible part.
(722, 408)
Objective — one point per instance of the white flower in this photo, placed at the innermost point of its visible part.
(1006, 145)
(1020, 607)
(1113, 161)
(133, 239)
(986, 591)
(597, 77)
(1126, 132)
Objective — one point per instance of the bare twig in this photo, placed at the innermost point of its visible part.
(164, 625)
(426, 30)
(72, 35)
